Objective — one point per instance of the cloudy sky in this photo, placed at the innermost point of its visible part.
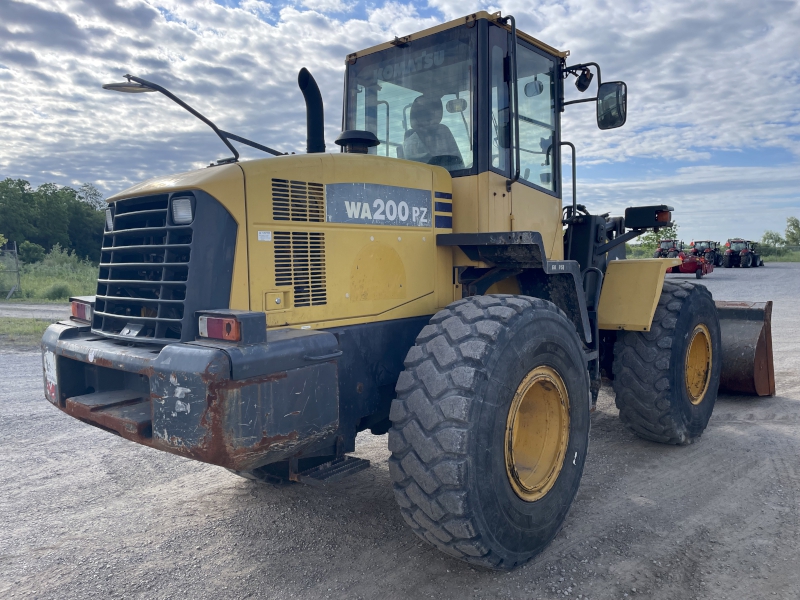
(713, 115)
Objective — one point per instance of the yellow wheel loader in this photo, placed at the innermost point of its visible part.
(426, 282)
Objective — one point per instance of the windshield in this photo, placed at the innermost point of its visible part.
(701, 245)
(738, 246)
(667, 245)
(418, 99)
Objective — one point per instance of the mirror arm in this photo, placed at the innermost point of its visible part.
(514, 102)
(573, 69)
(579, 101)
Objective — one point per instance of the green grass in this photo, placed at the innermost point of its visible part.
(56, 278)
(26, 332)
(783, 257)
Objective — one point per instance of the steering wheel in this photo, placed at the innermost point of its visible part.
(448, 161)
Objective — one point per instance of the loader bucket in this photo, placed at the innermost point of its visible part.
(746, 329)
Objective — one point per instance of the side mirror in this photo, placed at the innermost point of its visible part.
(456, 105)
(612, 105)
(533, 88)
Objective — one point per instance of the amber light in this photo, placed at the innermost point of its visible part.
(219, 328)
(81, 311)
(662, 216)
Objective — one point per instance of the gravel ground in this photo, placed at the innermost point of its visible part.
(85, 514)
(50, 312)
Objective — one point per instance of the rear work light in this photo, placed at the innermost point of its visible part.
(182, 211)
(81, 311)
(663, 216)
(219, 328)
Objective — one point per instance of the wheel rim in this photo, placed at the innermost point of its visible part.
(698, 364)
(537, 433)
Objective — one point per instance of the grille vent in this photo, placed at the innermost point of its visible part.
(298, 201)
(144, 268)
(300, 263)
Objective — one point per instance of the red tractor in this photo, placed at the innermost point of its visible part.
(692, 262)
(741, 253)
(710, 251)
(668, 249)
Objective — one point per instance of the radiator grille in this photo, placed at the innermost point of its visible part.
(300, 263)
(298, 201)
(144, 268)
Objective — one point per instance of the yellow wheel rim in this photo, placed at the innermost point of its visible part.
(698, 364)
(537, 433)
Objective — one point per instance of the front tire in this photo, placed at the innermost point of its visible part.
(746, 261)
(726, 261)
(490, 429)
(699, 273)
(666, 379)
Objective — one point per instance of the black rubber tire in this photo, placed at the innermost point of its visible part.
(726, 261)
(649, 368)
(672, 254)
(698, 273)
(657, 254)
(449, 422)
(746, 261)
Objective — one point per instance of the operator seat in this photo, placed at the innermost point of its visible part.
(428, 140)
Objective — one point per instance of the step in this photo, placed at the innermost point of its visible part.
(126, 412)
(332, 471)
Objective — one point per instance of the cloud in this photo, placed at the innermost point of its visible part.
(705, 80)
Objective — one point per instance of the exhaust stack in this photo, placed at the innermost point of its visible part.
(315, 118)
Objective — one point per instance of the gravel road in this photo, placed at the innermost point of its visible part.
(47, 312)
(85, 514)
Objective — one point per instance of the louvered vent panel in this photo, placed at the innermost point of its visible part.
(300, 263)
(298, 201)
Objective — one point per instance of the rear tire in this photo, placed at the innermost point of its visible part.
(746, 261)
(726, 261)
(457, 408)
(665, 393)
(672, 254)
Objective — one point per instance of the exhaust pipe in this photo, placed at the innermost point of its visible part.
(315, 118)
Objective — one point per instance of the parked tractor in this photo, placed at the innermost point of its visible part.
(710, 251)
(741, 253)
(668, 249)
(693, 263)
(425, 282)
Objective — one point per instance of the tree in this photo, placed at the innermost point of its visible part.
(793, 231)
(92, 196)
(650, 240)
(30, 253)
(3, 240)
(772, 238)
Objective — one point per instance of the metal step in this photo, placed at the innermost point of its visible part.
(126, 412)
(331, 471)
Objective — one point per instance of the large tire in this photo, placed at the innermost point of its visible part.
(661, 394)
(746, 261)
(672, 254)
(726, 261)
(455, 402)
(699, 273)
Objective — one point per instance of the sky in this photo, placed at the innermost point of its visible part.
(713, 123)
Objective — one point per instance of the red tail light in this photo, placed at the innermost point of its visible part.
(219, 328)
(81, 311)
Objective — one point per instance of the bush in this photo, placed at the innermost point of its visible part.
(58, 291)
(30, 253)
(58, 268)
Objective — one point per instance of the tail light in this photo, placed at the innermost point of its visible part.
(220, 328)
(81, 310)
(663, 216)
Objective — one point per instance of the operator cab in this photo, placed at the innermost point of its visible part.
(446, 97)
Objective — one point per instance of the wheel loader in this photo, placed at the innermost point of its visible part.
(425, 281)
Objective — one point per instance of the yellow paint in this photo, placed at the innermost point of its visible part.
(537, 433)
(226, 184)
(536, 211)
(276, 301)
(697, 365)
(372, 272)
(377, 273)
(631, 289)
